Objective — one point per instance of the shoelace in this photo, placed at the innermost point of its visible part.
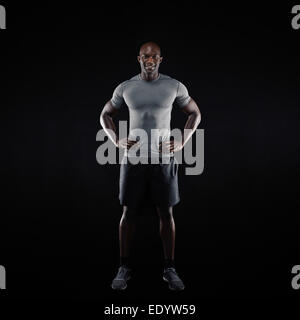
(172, 271)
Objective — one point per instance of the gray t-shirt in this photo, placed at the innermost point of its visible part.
(150, 104)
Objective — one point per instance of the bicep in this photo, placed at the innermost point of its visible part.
(182, 96)
(117, 97)
(109, 109)
(191, 107)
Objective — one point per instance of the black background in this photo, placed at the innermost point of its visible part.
(236, 223)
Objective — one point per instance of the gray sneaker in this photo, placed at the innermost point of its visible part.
(171, 276)
(120, 281)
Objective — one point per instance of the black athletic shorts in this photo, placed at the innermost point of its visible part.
(149, 184)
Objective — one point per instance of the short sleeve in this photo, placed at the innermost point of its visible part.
(117, 98)
(182, 97)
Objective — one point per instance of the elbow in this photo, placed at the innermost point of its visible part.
(196, 112)
(103, 117)
(198, 117)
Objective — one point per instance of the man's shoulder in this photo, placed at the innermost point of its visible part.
(161, 77)
(164, 77)
(168, 78)
(136, 78)
(129, 81)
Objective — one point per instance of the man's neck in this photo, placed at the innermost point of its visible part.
(149, 76)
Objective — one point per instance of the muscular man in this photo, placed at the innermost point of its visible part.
(149, 96)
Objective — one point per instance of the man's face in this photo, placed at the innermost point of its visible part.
(149, 59)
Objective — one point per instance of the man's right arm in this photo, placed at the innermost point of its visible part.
(107, 122)
(108, 112)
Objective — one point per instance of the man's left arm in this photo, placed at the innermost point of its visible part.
(194, 118)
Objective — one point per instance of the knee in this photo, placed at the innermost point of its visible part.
(165, 214)
(130, 214)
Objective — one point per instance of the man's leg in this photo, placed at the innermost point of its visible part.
(126, 233)
(167, 233)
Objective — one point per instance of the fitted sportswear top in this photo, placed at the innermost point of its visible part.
(150, 104)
